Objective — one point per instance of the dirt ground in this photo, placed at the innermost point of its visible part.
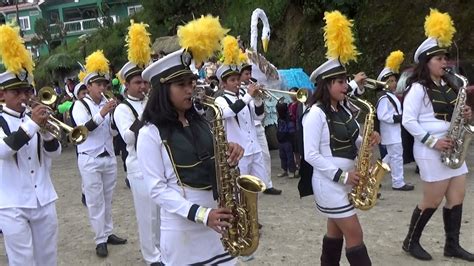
(292, 229)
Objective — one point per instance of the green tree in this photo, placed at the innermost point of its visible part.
(43, 33)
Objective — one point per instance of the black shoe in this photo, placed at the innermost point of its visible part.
(115, 240)
(272, 191)
(159, 263)
(452, 225)
(406, 187)
(83, 199)
(411, 244)
(331, 254)
(358, 256)
(127, 182)
(101, 250)
(417, 170)
(260, 226)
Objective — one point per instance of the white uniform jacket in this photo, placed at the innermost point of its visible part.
(100, 130)
(25, 163)
(240, 118)
(390, 119)
(124, 119)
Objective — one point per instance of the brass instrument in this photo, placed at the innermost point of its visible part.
(47, 96)
(364, 195)
(301, 94)
(460, 131)
(374, 84)
(108, 95)
(236, 193)
(76, 135)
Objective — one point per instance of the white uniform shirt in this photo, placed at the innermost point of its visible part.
(124, 118)
(25, 181)
(242, 132)
(100, 139)
(419, 119)
(390, 131)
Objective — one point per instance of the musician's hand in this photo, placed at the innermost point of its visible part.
(467, 113)
(444, 144)
(252, 89)
(235, 153)
(353, 178)
(360, 78)
(374, 138)
(39, 114)
(218, 219)
(108, 107)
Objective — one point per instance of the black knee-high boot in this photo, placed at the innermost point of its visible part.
(412, 242)
(332, 248)
(358, 256)
(452, 225)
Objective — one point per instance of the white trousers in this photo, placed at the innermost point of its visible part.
(31, 235)
(148, 219)
(394, 159)
(253, 165)
(99, 176)
(262, 140)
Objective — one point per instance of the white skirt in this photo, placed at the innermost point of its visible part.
(431, 167)
(184, 242)
(331, 198)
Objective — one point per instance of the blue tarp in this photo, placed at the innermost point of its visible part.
(295, 77)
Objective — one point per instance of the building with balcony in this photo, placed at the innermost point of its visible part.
(67, 19)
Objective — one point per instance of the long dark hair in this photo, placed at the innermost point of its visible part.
(322, 93)
(159, 109)
(421, 74)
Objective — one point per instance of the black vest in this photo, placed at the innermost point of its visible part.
(343, 131)
(192, 152)
(443, 100)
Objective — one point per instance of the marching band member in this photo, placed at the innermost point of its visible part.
(27, 196)
(96, 158)
(389, 114)
(427, 112)
(240, 109)
(176, 154)
(330, 134)
(127, 118)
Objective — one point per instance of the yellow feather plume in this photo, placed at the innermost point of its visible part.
(243, 58)
(440, 26)
(81, 76)
(394, 60)
(230, 50)
(13, 52)
(119, 77)
(96, 62)
(201, 37)
(139, 44)
(339, 38)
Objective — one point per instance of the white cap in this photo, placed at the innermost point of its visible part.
(330, 68)
(9, 80)
(385, 73)
(94, 76)
(129, 70)
(226, 70)
(170, 67)
(428, 47)
(77, 88)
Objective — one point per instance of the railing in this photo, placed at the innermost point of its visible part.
(81, 25)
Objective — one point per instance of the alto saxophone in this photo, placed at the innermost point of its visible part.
(237, 193)
(460, 131)
(364, 195)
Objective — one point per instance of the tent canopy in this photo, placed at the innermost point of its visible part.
(295, 77)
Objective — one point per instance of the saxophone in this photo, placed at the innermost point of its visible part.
(236, 193)
(460, 131)
(364, 195)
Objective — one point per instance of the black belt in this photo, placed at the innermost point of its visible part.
(103, 154)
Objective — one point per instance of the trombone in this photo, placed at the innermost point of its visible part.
(76, 135)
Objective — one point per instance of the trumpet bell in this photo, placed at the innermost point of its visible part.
(302, 96)
(47, 96)
(78, 135)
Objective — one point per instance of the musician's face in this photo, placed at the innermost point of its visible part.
(338, 89)
(96, 89)
(392, 83)
(181, 93)
(436, 65)
(14, 98)
(232, 83)
(81, 94)
(137, 86)
(245, 76)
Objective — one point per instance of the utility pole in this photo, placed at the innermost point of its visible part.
(18, 18)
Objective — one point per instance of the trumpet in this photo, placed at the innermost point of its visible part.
(76, 135)
(108, 95)
(48, 96)
(301, 94)
(373, 84)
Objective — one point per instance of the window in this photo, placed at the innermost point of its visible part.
(134, 9)
(25, 23)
